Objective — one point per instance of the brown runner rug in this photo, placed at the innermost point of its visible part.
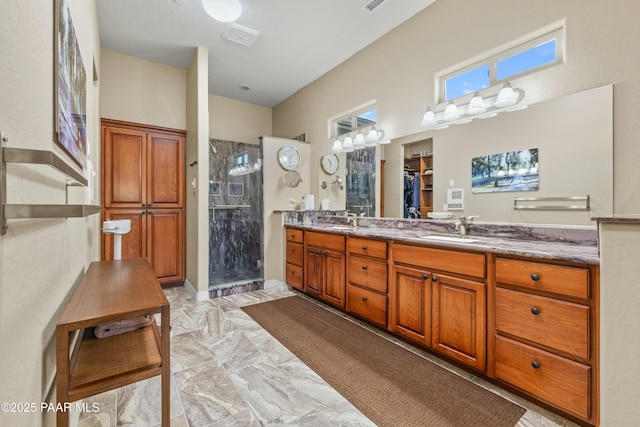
(390, 385)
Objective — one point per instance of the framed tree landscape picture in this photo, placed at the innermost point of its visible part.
(70, 87)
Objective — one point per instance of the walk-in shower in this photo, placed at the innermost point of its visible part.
(236, 227)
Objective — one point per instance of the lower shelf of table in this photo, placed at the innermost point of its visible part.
(105, 363)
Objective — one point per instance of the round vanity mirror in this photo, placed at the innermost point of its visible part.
(292, 179)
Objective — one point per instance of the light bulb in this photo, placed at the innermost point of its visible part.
(476, 105)
(223, 10)
(451, 112)
(347, 145)
(506, 97)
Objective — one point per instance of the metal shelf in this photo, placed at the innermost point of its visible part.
(38, 157)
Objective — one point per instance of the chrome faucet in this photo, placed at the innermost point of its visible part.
(352, 218)
(463, 224)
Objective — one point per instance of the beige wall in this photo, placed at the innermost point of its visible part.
(139, 91)
(276, 197)
(398, 71)
(197, 198)
(233, 120)
(40, 260)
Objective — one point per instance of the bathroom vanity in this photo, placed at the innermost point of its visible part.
(523, 313)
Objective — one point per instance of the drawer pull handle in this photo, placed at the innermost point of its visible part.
(425, 276)
(434, 278)
(364, 267)
(535, 277)
(364, 247)
(364, 298)
(293, 272)
(535, 364)
(535, 310)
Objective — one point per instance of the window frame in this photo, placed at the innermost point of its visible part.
(352, 116)
(557, 33)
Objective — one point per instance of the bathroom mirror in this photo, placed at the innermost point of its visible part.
(574, 138)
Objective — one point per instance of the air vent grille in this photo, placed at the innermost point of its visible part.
(372, 5)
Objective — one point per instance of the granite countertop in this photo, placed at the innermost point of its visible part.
(586, 253)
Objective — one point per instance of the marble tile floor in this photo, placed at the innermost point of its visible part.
(228, 371)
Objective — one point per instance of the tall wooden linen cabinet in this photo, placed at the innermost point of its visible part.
(143, 180)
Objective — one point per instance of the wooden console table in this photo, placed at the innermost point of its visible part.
(111, 291)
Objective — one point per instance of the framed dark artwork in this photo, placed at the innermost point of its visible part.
(509, 171)
(214, 188)
(70, 87)
(236, 189)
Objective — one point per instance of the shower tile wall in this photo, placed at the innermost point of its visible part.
(236, 223)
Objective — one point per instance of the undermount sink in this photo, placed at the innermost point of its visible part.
(340, 227)
(450, 239)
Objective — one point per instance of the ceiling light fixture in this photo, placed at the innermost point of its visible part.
(443, 115)
(360, 140)
(223, 10)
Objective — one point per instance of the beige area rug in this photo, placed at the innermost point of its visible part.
(390, 385)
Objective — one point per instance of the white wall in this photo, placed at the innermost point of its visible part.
(40, 260)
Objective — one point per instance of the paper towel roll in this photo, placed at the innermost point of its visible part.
(325, 204)
(309, 202)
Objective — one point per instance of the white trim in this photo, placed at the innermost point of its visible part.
(198, 296)
(275, 284)
(362, 107)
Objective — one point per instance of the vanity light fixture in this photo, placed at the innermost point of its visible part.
(223, 10)
(443, 115)
(370, 138)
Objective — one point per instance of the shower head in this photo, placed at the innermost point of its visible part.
(213, 148)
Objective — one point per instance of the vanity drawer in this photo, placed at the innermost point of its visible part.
(295, 253)
(294, 276)
(470, 264)
(544, 277)
(323, 240)
(558, 324)
(372, 248)
(368, 273)
(295, 235)
(552, 378)
(367, 304)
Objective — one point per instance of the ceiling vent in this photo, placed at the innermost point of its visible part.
(239, 34)
(372, 5)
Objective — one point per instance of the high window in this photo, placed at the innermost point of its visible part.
(535, 54)
(362, 118)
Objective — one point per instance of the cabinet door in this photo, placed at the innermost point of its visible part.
(410, 303)
(314, 274)
(459, 324)
(124, 167)
(165, 243)
(134, 244)
(165, 166)
(334, 280)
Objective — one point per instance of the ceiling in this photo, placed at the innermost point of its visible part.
(298, 41)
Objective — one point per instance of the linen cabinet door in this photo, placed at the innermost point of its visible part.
(124, 167)
(165, 165)
(410, 303)
(459, 319)
(134, 244)
(165, 242)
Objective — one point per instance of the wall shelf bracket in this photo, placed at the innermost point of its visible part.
(38, 157)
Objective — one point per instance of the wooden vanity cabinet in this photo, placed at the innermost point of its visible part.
(367, 279)
(431, 304)
(294, 274)
(324, 267)
(544, 341)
